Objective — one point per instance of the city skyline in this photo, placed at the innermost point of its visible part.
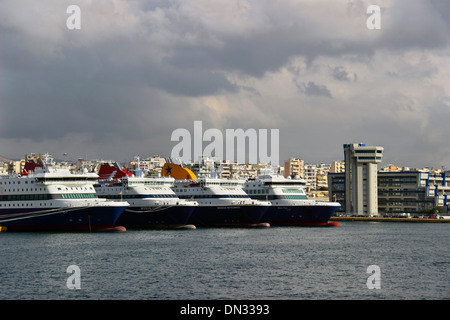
(136, 71)
(157, 161)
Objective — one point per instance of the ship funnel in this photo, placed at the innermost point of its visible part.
(177, 172)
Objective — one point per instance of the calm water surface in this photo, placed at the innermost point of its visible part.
(284, 263)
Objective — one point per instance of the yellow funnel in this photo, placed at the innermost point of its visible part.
(177, 172)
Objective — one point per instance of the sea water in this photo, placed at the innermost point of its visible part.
(276, 263)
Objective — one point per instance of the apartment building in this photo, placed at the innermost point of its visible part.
(337, 167)
(294, 167)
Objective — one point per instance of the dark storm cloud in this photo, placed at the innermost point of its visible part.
(416, 24)
(443, 9)
(137, 69)
(187, 81)
(289, 33)
(339, 73)
(313, 89)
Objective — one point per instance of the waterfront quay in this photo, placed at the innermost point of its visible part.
(388, 219)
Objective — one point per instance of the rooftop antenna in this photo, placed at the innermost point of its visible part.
(65, 159)
(138, 172)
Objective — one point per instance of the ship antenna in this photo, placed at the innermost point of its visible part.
(138, 171)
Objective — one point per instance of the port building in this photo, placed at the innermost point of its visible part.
(361, 162)
(411, 192)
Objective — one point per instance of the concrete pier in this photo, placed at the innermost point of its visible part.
(379, 219)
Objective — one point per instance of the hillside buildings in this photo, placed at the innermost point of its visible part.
(316, 176)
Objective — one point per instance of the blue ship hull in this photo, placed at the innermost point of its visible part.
(61, 219)
(308, 215)
(170, 217)
(229, 216)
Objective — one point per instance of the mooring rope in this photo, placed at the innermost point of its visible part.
(37, 214)
(157, 209)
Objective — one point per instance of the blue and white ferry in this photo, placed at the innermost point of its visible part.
(47, 198)
(290, 205)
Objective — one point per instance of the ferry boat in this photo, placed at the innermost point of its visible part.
(221, 202)
(153, 203)
(46, 198)
(290, 205)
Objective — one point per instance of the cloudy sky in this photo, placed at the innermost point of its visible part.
(138, 70)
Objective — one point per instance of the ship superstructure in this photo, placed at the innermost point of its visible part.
(290, 205)
(153, 203)
(48, 198)
(221, 202)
